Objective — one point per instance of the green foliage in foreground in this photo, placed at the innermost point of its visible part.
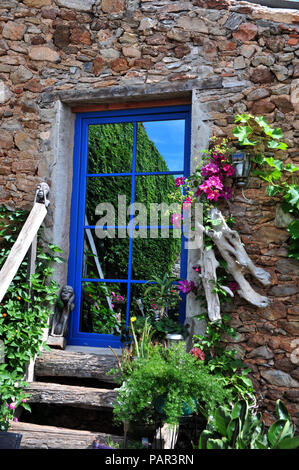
(24, 314)
(165, 383)
(241, 429)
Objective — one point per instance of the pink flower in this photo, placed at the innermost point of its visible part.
(176, 220)
(15, 420)
(229, 170)
(196, 268)
(210, 169)
(12, 406)
(24, 400)
(213, 195)
(197, 352)
(214, 182)
(179, 181)
(187, 203)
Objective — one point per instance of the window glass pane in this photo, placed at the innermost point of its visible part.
(146, 300)
(104, 195)
(160, 146)
(105, 258)
(155, 257)
(103, 307)
(156, 198)
(110, 148)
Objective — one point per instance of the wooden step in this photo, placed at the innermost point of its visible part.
(75, 364)
(35, 436)
(70, 395)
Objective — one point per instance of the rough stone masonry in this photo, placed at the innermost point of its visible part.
(240, 57)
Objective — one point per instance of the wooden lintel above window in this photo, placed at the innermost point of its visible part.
(130, 105)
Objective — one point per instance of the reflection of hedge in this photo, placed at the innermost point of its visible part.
(110, 151)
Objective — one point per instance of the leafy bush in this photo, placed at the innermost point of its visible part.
(240, 428)
(168, 380)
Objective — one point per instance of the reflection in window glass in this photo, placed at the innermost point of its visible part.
(110, 148)
(105, 258)
(155, 257)
(160, 146)
(106, 190)
(103, 307)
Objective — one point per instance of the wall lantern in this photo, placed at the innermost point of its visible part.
(241, 162)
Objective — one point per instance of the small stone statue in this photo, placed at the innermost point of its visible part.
(41, 194)
(61, 313)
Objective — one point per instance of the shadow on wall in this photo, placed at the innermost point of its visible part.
(292, 4)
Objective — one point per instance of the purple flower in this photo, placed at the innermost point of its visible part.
(179, 181)
(218, 156)
(234, 286)
(210, 169)
(226, 192)
(214, 182)
(229, 170)
(186, 286)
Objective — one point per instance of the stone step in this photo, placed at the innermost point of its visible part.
(35, 436)
(56, 363)
(70, 395)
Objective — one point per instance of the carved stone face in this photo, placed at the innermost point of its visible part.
(66, 293)
(42, 189)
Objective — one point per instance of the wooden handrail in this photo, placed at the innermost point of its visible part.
(26, 237)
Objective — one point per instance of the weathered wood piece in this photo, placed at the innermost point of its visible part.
(208, 265)
(56, 342)
(21, 246)
(166, 437)
(69, 395)
(238, 262)
(35, 436)
(58, 363)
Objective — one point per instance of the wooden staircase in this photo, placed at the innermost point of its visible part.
(71, 400)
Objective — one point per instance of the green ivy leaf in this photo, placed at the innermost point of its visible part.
(289, 443)
(290, 167)
(293, 229)
(273, 190)
(281, 410)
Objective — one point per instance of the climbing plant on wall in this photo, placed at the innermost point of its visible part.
(255, 133)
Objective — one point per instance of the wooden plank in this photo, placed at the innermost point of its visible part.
(58, 363)
(70, 395)
(130, 105)
(21, 246)
(35, 436)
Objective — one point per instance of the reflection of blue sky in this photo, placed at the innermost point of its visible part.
(168, 137)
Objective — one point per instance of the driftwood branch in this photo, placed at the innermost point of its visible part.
(238, 262)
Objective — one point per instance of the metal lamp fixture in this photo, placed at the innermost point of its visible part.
(241, 162)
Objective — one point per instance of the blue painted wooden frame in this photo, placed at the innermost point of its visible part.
(77, 226)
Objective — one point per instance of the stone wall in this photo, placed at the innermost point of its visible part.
(233, 56)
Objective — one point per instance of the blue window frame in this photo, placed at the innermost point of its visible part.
(82, 177)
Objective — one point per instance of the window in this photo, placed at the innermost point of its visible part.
(125, 166)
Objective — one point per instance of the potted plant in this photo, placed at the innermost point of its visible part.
(163, 295)
(162, 384)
